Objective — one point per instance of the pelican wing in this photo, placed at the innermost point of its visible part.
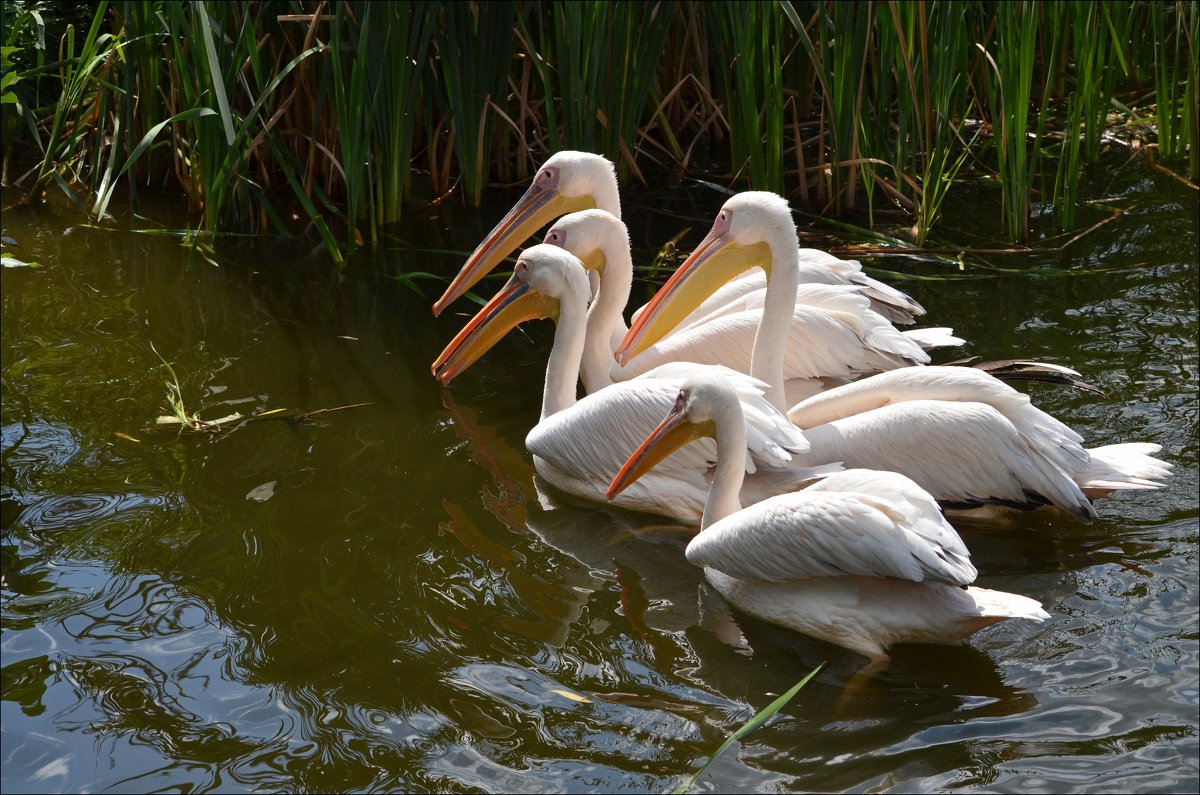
(581, 448)
(833, 334)
(963, 453)
(825, 533)
(1050, 437)
(815, 267)
(919, 510)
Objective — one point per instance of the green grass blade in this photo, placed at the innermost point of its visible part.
(148, 139)
(218, 80)
(751, 726)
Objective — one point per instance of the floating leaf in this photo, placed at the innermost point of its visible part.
(126, 437)
(570, 695)
(12, 262)
(262, 493)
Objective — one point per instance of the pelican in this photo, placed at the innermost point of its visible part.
(963, 436)
(862, 559)
(832, 334)
(571, 181)
(579, 445)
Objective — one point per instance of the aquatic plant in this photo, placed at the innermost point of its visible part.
(330, 117)
(750, 726)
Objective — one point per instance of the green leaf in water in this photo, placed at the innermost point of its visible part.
(751, 726)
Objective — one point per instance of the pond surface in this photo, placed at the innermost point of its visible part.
(383, 598)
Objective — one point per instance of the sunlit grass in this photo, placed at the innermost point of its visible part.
(328, 119)
(751, 726)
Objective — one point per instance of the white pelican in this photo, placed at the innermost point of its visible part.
(963, 436)
(862, 559)
(571, 181)
(832, 334)
(579, 445)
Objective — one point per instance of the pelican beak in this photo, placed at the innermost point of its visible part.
(536, 208)
(514, 304)
(714, 262)
(672, 433)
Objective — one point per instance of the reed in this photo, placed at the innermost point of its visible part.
(751, 726)
(595, 62)
(78, 115)
(751, 71)
(1174, 31)
(399, 44)
(475, 51)
(1011, 92)
(922, 52)
(336, 113)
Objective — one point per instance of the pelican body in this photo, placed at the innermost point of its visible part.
(862, 559)
(963, 436)
(578, 446)
(832, 336)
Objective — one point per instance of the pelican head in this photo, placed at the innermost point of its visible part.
(701, 401)
(543, 277)
(588, 234)
(568, 181)
(749, 229)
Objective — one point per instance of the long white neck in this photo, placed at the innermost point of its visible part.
(770, 342)
(562, 370)
(605, 195)
(605, 323)
(727, 480)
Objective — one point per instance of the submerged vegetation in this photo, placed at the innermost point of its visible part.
(328, 117)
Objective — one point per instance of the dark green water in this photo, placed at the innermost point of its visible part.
(381, 598)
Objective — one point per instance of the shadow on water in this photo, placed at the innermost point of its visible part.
(387, 598)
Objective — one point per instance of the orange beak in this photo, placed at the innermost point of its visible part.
(673, 432)
(536, 208)
(714, 262)
(514, 304)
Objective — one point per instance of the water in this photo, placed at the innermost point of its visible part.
(383, 598)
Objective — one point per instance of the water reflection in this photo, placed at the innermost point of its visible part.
(663, 599)
(408, 607)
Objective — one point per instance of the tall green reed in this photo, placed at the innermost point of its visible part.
(224, 68)
(920, 99)
(596, 63)
(1011, 93)
(399, 43)
(1175, 32)
(751, 72)
(475, 51)
(78, 116)
(1095, 33)
(839, 55)
(869, 98)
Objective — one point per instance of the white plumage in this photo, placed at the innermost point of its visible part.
(862, 558)
(964, 436)
(833, 333)
(578, 446)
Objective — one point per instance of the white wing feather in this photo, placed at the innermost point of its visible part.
(815, 533)
(580, 449)
(960, 452)
(1050, 437)
(833, 334)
